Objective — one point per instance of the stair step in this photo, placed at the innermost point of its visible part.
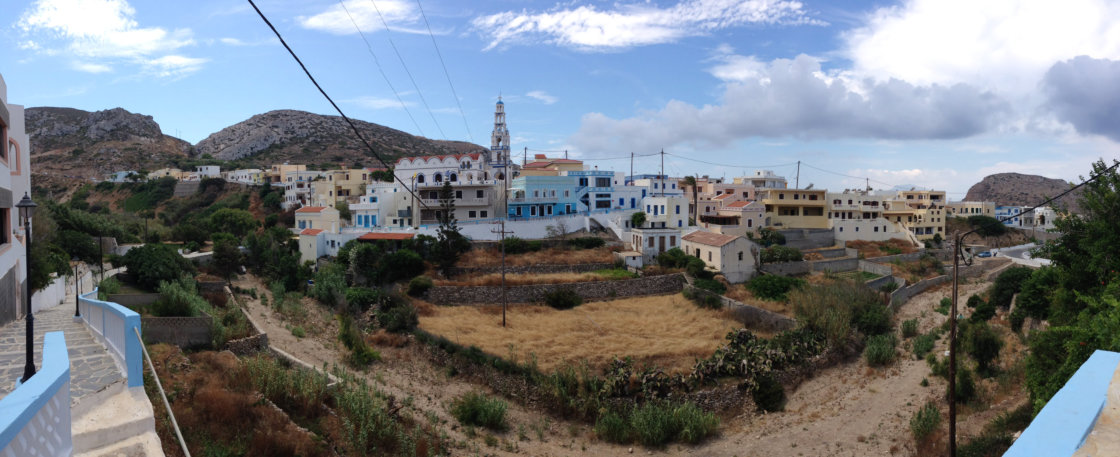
(144, 445)
(116, 419)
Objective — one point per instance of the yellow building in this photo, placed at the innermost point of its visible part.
(965, 209)
(276, 173)
(166, 173)
(794, 208)
(920, 211)
(544, 166)
(336, 186)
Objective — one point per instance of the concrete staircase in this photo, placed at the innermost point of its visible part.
(120, 423)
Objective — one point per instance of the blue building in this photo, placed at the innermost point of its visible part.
(1012, 215)
(543, 196)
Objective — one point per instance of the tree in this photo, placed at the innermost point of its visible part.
(986, 225)
(558, 231)
(151, 263)
(450, 243)
(695, 210)
(343, 210)
(227, 256)
(983, 344)
(637, 219)
(236, 221)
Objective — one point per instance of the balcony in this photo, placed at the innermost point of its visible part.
(434, 202)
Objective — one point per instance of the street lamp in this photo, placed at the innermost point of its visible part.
(26, 210)
(77, 285)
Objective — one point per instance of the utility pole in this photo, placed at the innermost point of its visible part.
(868, 183)
(503, 232)
(565, 154)
(631, 167)
(524, 157)
(797, 182)
(663, 172)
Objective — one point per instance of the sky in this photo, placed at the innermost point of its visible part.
(927, 93)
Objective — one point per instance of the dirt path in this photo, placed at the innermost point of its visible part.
(427, 390)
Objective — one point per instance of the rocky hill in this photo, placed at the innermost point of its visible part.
(1014, 189)
(302, 137)
(71, 143)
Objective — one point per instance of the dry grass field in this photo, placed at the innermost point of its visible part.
(550, 256)
(667, 331)
(495, 279)
(740, 293)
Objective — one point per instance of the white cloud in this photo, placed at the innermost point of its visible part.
(105, 31)
(173, 66)
(1005, 45)
(795, 98)
(340, 19)
(91, 67)
(377, 102)
(634, 24)
(542, 96)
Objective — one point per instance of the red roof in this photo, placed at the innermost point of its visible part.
(311, 232)
(536, 165)
(373, 236)
(709, 238)
(473, 155)
(311, 209)
(739, 204)
(721, 197)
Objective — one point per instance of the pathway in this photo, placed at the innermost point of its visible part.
(92, 369)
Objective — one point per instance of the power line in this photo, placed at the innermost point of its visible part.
(445, 72)
(381, 70)
(409, 73)
(335, 105)
(849, 176)
(728, 165)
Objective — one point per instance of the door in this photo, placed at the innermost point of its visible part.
(660, 244)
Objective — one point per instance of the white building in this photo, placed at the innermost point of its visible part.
(15, 182)
(208, 171)
(250, 176)
(859, 215)
(653, 241)
(669, 211)
(763, 179)
(384, 204)
(734, 256)
(1044, 218)
(297, 187)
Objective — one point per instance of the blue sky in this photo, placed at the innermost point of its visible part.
(933, 93)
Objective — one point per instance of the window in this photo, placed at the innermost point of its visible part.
(518, 211)
(876, 228)
(654, 185)
(458, 194)
(651, 241)
(740, 256)
(536, 193)
(549, 210)
(621, 201)
(5, 223)
(482, 213)
(439, 177)
(478, 193)
(663, 209)
(672, 240)
(796, 196)
(781, 196)
(709, 256)
(568, 209)
(471, 214)
(567, 193)
(602, 182)
(698, 253)
(552, 193)
(532, 210)
(678, 209)
(452, 177)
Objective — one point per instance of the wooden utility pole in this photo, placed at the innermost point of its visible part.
(662, 172)
(503, 232)
(631, 168)
(797, 182)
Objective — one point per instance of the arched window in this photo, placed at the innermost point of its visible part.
(439, 177)
(501, 176)
(420, 178)
(453, 177)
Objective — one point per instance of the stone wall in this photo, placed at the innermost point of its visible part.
(251, 344)
(210, 286)
(489, 295)
(941, 254)
(836, 265)
(787, 268)
(534, 269)
(878, 283)
(832, 253)
(809, 238)
(186, 188)
(11, 298)
(877, 268)
(900, 296)
(180, 331)
(749, 316)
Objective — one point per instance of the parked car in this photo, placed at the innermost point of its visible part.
(984, 254)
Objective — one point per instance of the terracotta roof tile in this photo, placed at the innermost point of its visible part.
(311, 209)
(709, 238)
(311, 232)
(373, 236)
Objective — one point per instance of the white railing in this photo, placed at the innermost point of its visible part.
(111, 324)
(35, 418)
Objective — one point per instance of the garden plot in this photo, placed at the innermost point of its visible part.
(667, 331)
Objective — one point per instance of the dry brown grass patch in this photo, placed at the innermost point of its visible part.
(667, 330)
(740, 293)
(492, 257)
(871, 249)
(495, 279)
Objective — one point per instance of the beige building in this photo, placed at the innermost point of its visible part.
(544, 166)
(734, 256)
(795, 208)
(336, 186)
(965, 209)
(922, 212)
(860, 215)
(166, 173)
(317, 217)
(277, 173)
(738, 218)
(653, 241)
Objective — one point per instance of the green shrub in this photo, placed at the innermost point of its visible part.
(673, 258)
(562, 298)
(401, 317)
(925, 422)
(923, 344)
(773, 287)
(698, 269)
(983, 344)
(778, 254)
(178, 299)
(984, 311)
(1008, 284)
(298, 332)
(402, 264)
(614, 426)
(151, 264)
(974, 300)
(515, 245)
(909, 328)
(966, 386)
(361, 299)
(330, 284)
(587, 242)
(880, 349)
(477, 409)
(769, 394)
(654, 424)
(944, 306)
(986, 445)
(108, 286)
(987, 225)
(361, 355)
(695, 424)
(710, 285)
(419, 285)
(871, 318)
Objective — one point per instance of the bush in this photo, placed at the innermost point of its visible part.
(711, 285)
(1008, 284)
(983, 344)
(401, 317)
(698, 269)
(330, 284)
(923, 344)
(986, 445)
(477, 409)
(151, 264)
(773, 287)
(987, 225)
(178, 299)
(587, 242)
(402, 264)
(108, 286)
(419, 285)
(769, 394)
(614, 427)
(871, 318)
(984, 311)
(562, 298)
(673, 258)
(966, 386)
(515, 245)
(925, 422)
(909, 328)
(361, 299)
(654, 424)
(974, 301)
(778, 254)
(361, 355)
(880, 350)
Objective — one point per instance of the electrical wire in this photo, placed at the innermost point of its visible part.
(380, 69)
(729, 165)
(409, 73)
(445, 72)
(335, 105)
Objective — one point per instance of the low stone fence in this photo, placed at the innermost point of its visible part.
(876, 268)
(134, 300)
(830, 253)
(534, 269)
(211, 286)
(249, 345)
(750, 316)
(650, 285)
(900, 296)
(941, 254)
(787, 268)
(836, 265)
(878, 283)
(181, 331)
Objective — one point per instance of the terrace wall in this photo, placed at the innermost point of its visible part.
(534, 269)
(490, 295)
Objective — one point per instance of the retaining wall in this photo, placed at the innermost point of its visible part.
(488, 295)
(134, 300)
(836, 265)
(180, 331)
(251, 344)
(809, 238)
(749, 316)
(878, 283)
(900, 296)
(787, 268)
(534, 269)
(832, 253)
(877, 268)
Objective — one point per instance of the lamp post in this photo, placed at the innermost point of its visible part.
(77, 287)
(26, 210)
